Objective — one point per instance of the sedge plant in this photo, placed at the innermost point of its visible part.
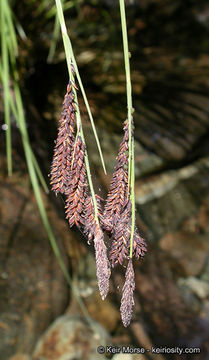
(70, 170)
(13, 105)
(71, 176)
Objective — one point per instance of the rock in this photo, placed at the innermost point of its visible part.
(105, 312)
(69, 337)
(146, 161)
(157, 186)
(205, 273)
(199, 287)
(161, 299)
(166, 200)
(199, 222)
(128, 357)
(33, 288)
(20, 356)
(189, 297)
(188, 250)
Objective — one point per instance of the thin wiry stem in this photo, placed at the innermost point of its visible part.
(131, 173)
(5, 81)
(70, 57)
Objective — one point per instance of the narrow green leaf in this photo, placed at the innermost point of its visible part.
(5, 81)
(54, 41)
(37, 168)
(10, 27)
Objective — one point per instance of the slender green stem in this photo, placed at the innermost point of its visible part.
(90, 180)
(131, 174)
(70, 57)
(5, 81)
(11, 29)
(39, 173)
(55, 38)
(127, 70)
(16, 116)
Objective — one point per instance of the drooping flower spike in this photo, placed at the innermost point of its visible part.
(69, 177)
(64, 144)
(127, 301)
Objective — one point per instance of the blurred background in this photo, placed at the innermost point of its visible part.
(169, 43)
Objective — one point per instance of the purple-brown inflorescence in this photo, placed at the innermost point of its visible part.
(118, 193)
(120, 248)
(90, 223)
(118, 215)
(77, 186)
(64, 143)
(102, 262)
(69, 176)
(127, 301)
(94, 232)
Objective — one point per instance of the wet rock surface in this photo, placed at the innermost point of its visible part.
(69, 337)
(33, 290)
(180, 247)
(128, 357)
(20, 356)
(146, 161)
(171, 298)
(172, 197)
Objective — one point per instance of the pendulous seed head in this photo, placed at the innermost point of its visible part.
(127, 301)
(102, 263)
(120, 248)
(89, 214)
(118, 193)
(64, 144)
(77, 186)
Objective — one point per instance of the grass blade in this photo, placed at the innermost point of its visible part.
(37, 168)
(6, 81)
(55, 38)
(10, 27)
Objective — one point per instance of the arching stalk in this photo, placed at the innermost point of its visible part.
(131, 172)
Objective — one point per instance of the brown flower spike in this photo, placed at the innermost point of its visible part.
(94, 232)
(118, 213)
(102, 262)
(78, 185)
(64, 144)
(120, 248)
(127, 301)
(69, 176)
(118, 193)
